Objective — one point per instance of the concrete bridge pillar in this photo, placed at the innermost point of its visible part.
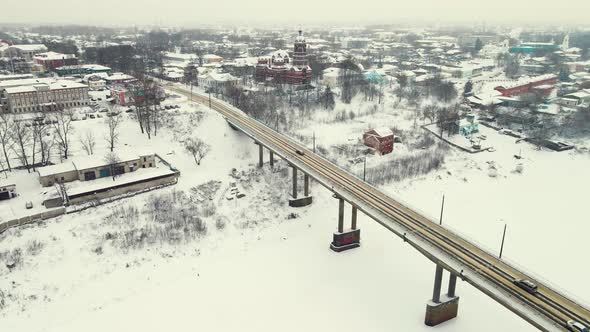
(260, 155)
(271, 158)
(441, 309)
(345, 239)
(307, 199)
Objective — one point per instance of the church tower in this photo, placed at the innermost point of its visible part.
(300, 51)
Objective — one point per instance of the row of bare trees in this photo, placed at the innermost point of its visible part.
(26, 142)
(147, 102)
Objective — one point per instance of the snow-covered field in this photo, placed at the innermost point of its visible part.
(269, 267)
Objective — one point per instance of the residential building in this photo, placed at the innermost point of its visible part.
(52, 60)
(24, 51)
(211, 59)
(217, 81)
(354, 43)
(380, 139)
(576, 98)
(82, 70)
(41, 95)
(537, 49)
(95, 82)
(119, 78)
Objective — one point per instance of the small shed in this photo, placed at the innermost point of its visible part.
(380, 139)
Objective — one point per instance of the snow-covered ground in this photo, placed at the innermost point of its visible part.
(270, 267)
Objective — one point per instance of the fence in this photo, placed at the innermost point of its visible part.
(32, 218)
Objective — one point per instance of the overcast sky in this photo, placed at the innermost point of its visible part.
(196, 12)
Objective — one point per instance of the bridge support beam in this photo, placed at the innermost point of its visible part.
(271, 158)
(346, 239)
(441, 309)
(307, 199)
(260, 155)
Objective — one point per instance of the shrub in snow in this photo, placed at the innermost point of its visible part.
(12, 258)
(519, 168)
(492, 172)
(220, 223)
(403, 167)
(34, 247)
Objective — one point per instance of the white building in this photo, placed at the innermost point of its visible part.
(217, 81)
(24, 51)
(38, 95)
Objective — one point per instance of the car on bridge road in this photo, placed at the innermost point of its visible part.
(527, 285)
(576, 326)
(299, 152)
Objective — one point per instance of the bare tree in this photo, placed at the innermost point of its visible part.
(2, 168)
(62, 128)
(197, 148)
(88, 142)
(22, 138)
(112, 161)
(62, 191)
(112, 136)
(6, 137)
(40, 131)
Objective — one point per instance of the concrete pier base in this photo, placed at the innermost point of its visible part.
(442, 311)
(346, 240)
(301, 201)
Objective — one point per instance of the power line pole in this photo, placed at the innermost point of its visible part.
(365, 169)
(442, 208)
(503, 237)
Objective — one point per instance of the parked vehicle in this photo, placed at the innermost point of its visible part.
(576, 326)
(29, 205)
(527, 285)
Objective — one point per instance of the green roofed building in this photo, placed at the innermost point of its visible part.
(534, 48)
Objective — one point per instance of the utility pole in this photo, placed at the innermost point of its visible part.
(314, 142)
(442, 207)
(209, 97)
(503, 237)
(365, 169)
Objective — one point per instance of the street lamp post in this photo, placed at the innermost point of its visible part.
(442, 207)
(502, 245)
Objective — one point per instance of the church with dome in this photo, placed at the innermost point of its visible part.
(279, 67)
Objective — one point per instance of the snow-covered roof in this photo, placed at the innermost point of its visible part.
(219, 77)
(30, 47)
(56, 169)
(80, 187)
(99, 161)
(383, 131)
(53, 56)
(51, 85)
(119, 76)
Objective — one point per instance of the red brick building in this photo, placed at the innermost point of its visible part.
(543, 84)
(380, 139)
(279, 67)
(52, 60)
